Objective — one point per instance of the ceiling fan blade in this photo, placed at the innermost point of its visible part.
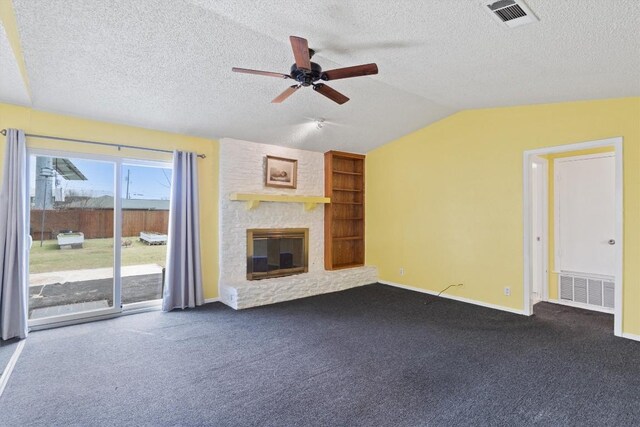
(301, 52)
(284, 95)
(261, 73)
(355, 71)
(330, 93)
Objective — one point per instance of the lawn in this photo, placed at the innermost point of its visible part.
(96, 253)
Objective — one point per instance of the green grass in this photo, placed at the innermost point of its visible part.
(96, 253)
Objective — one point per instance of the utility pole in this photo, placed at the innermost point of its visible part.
(44, 209)
(45, 173)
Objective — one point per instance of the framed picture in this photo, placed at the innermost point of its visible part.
(280, 172)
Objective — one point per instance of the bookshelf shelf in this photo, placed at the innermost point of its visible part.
(344, 216)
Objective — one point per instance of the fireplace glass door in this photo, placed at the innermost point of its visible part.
(275, 253)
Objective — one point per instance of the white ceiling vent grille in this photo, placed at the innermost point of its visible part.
(511, 13)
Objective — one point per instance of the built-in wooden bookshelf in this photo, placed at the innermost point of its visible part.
(344, 216)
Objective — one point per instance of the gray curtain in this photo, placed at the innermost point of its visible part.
(183, 276)
(14, 212)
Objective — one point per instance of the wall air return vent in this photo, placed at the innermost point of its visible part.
(511, 13)
(594, 292)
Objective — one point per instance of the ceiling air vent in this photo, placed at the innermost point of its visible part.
(512, 13)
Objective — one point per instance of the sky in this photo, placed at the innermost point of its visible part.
(144, 182)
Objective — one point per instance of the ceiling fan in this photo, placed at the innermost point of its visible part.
(307, 73)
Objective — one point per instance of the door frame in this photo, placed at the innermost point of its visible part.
(544, 207)
(527, 160)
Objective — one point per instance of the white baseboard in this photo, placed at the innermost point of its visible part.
(210, 300)
(631, 336)
(452, 297)
(582, 306)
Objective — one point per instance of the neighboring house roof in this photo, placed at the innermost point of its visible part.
(106, 202)
(145, 204)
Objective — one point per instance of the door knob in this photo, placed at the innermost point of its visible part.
(611, 242)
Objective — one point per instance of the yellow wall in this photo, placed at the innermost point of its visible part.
(445, 202)
(553, 276)
(37, 122)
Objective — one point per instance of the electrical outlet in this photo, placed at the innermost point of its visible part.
(402, 271)
(507, 291)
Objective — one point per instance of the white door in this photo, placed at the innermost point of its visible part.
(585, 214)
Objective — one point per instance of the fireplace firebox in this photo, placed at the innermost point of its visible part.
(277, 252)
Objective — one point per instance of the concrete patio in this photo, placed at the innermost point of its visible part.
(66, 292)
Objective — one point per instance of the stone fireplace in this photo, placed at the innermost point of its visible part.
(274, 252)
(242, 170)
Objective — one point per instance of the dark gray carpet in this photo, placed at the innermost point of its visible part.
(7, 348)
(370, 356)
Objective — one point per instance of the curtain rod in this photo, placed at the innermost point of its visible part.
(84, 141)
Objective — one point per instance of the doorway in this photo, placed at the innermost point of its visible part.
(573, 234)
(98, 231)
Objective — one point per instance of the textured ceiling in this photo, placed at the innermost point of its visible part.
(12, 87)
(167, 64)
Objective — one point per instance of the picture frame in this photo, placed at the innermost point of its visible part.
(280, 172)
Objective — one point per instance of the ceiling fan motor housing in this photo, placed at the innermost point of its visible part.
(306, 77)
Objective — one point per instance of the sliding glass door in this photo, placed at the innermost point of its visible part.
(98, 232)
(145, 222)
(71, 260)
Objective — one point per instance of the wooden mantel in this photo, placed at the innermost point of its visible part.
(253, 200)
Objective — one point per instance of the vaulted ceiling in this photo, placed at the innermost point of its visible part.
(167, 64)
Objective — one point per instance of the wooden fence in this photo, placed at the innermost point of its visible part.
(97, 223)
